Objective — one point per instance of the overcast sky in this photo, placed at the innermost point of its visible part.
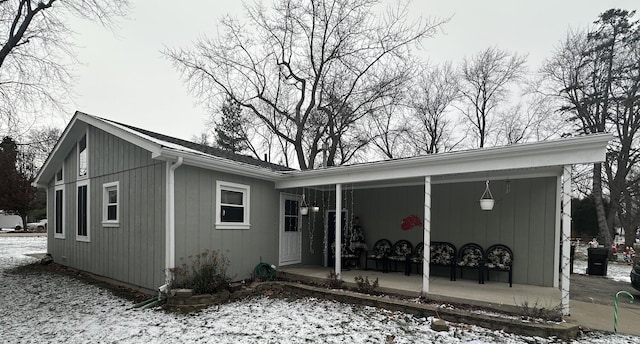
(124, 76)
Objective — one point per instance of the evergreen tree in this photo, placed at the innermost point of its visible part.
(16, 175)
(230, 131)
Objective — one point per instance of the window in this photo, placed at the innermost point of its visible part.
(232, 205)
(83, 163)
(110, 201)
(82, 233)
(291, 215)
(58, 212)
(59, 176)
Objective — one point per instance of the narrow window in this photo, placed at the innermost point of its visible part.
(82, 233)
(110, 201)
(82, 157)
(58, 214)
(59, 177)
(291, 216)
(232, 205)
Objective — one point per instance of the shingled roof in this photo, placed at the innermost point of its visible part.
(221, 153)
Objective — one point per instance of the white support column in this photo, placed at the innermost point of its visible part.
(566, 238)
(426, 235)
(338, 250)
(557, 237)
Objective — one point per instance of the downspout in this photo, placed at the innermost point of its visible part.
(170, 224)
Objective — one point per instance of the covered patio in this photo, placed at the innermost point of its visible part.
(493, 294)
(532, 188)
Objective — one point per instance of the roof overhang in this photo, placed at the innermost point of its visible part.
(540, 158)
(515, 161)
(217, 163)
(159, 150)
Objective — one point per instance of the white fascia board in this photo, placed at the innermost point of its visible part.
(576, 150)
(211, 162)
(122, 132)
(38, 182)
(60, 150)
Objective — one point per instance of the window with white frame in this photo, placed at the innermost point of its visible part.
(82, 211)
(291, 214)
(83, 162)
(58, 212)
(232, 205)
(60, 176)
(110, 204)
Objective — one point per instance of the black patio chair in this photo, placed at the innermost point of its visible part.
(380, 250)
(443, 254)
(401, 251)
(499, 258)
(347, 256)
(471, 256)
(417, 258)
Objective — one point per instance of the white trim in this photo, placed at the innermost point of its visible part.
(211, 162)
(55, 213)
(426, 235)
(577, 150)
(283, 198)
(338, 250)
(557, 255)
(80, 183)
(246, 205)
(566, 239)
(106, 187)
(170, 219)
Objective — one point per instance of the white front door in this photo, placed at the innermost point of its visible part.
(290, 230)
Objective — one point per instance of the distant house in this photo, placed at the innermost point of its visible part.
(128, 204)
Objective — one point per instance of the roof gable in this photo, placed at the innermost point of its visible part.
(158, 145)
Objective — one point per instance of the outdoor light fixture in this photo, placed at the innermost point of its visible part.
(486, 200)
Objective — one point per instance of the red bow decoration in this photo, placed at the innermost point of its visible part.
(410, 222)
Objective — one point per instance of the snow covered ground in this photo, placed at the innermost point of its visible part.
(46, 308)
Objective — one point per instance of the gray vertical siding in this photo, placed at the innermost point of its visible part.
(195, 218)
(523, 219)
(134, 251)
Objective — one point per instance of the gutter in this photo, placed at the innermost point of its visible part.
(211, 162)
(170, 222)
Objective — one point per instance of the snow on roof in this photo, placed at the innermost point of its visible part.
(192, 147)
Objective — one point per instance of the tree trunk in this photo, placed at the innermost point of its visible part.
(605, 233)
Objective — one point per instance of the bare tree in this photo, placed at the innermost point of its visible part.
(484, 81)
(308, 70)
(36, 40)
(596, 74)
(436, 91)
(388, 130)
(38, 145)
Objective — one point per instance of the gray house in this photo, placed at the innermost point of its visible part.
(128, 204)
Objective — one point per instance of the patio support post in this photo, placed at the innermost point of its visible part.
(426, 252)
(566, 238)
(338, 247)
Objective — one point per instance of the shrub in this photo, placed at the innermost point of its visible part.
(333, 280)
(206, 273)
(537, 311)
(364, 286)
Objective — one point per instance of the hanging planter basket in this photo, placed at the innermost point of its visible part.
(486, 200)
(487, 204)
(304, 207)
